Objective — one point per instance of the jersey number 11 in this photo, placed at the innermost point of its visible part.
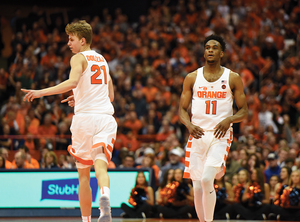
(210, 103)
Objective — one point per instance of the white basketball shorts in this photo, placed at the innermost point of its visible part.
(206, 151)
(90, 132)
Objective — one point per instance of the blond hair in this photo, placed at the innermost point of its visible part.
(81, 29)
(290, 180)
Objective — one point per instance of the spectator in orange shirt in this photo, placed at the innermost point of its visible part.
(165, 130)
(289, 85)
(130, 141)
(133, 122)
(34, 123)
(246, 75)
(149, 161)
(49, 60)
(4, 154)
(29, 158)
(20, 161)
(47, 129)
(150, 90)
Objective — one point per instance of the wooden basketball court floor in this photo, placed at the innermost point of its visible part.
(78, 219)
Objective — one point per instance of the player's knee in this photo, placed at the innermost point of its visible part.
(98, 154)
(206, 181)
(84, 180)
(197, 185)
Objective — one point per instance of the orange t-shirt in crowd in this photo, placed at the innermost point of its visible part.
(49, 60)
(7, 164)
(131, 143)
(26, 165)
(33, 127)
(35, 164)
(163, 136)
(294, 87)
(29, 144)
(247, 77)
(111, 165)
(49, 131)
(149, 93)
(134, 126)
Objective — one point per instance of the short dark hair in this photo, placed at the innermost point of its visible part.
(217, 38)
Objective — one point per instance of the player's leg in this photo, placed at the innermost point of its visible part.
(100, 166)
(84, 193)
(198, 196)
(101, 154)
(102, 176)
(209, 194)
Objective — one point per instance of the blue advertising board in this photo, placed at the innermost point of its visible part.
(59, 189)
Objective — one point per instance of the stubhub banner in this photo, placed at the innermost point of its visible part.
(65, 189)
(59, 189)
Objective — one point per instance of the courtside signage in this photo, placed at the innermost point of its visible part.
(59, 189)
(65, 189)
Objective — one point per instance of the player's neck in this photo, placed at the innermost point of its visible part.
(85, 48)
(212, 68)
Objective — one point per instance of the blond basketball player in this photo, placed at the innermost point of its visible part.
(211, 89)
(93, 126)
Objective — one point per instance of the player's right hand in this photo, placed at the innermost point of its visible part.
(196, 131)
(70, 100)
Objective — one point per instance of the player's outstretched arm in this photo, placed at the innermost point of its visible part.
(185, 101)
(77, 62)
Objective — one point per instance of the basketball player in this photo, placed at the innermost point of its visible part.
(211, 89)
(93, 126)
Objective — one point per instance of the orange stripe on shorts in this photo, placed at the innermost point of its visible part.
(228, 142)
(113, 141)
(227, 149)
(187, 163)
(85, 162)
(189, 145)
(187, 154)
(109, 147)
(225, 158)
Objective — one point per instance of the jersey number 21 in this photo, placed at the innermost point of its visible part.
(99, 71)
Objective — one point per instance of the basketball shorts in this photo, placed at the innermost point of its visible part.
(206, 151)
(92, 133)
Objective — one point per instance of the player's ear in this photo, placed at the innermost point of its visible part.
(221, 54)
(83, 41)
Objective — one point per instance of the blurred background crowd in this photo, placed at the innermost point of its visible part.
(148, 60)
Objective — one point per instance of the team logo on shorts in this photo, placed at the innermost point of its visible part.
(223, 86)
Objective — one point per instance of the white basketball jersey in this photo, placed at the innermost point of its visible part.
(91, 93)
(212, 101)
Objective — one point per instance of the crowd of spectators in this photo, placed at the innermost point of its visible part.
(148, 60)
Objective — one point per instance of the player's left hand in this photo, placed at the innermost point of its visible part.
(31, 94)
(221, 128)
